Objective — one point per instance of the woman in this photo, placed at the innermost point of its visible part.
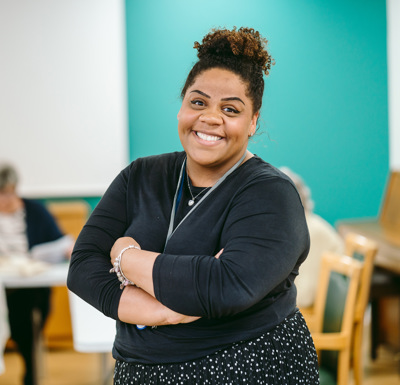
(27, 231)
(206, 243)
(323, 237)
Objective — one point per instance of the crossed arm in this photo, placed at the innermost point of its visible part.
(138, 304)
(189, 284)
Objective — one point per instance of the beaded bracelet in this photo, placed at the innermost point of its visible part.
(118, 270)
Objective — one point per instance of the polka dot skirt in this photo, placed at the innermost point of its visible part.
(285, 355)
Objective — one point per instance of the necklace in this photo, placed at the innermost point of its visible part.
(171, 229)
(191, 201)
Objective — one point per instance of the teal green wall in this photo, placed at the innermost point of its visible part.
(325, 107)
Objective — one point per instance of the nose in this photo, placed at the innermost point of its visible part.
(211, 118)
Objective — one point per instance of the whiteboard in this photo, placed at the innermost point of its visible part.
(63, 103)
(393, 33)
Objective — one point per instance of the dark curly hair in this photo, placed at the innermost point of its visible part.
(242, 51)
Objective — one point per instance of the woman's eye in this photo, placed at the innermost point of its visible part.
(231, 110)
(197, 102)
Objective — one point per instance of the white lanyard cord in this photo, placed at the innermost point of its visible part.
(171, 230)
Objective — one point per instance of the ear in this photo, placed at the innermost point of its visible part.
(253, 124)
(179, 113)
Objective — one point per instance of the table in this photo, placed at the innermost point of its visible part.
(55, 275)
(385, 281)
(4, 326)
(92, 330)
(388, 256)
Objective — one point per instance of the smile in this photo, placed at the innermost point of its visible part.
(208, 138)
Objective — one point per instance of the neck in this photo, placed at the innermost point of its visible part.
(207, 176)
(11, 207)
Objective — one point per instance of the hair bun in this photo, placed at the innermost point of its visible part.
(243, 42)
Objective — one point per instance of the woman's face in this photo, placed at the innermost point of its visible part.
(215, 120)
(8, 199)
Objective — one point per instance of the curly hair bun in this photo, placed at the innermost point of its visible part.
(241, 51)
(243, 42)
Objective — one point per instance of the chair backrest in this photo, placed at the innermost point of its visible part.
(389, 217)
(335, 308)
(364, 250)
(345, 281)
(70, 216)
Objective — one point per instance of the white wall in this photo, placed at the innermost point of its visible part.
(393, 27)
(63, 113)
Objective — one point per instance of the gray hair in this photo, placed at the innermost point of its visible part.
(303, 190)
(8, 176)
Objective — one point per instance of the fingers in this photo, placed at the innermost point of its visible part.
(219, 253)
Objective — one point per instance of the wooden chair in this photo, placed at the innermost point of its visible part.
(333, 318)
(364, 250)
(70, 215)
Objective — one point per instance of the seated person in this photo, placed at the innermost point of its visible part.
(27, 230)
(323, 238)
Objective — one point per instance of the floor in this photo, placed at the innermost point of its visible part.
(67, 367)
(62, 367)
(383, 371)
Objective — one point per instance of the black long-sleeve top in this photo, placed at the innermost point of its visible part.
(255, 215)
(41, 227)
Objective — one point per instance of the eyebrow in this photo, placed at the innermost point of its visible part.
(224, 99)
(233, 98)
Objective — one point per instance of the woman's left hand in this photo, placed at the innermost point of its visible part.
(120, 244)
(219, 253)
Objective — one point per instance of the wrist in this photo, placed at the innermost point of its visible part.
(118, 269)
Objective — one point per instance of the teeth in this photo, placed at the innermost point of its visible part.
(209, 138)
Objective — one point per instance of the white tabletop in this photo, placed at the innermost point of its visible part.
(92, 330)
(55, 275)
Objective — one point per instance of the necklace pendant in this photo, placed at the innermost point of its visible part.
(191, 202)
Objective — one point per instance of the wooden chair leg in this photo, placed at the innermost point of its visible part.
(344, 367)
(357, 353)
(374, 327)
(37, 346)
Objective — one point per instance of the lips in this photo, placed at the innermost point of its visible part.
(208, 138)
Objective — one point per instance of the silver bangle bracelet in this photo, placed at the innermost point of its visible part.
(118, 270)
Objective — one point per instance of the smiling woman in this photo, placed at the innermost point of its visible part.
(215, 121)
(205, 243)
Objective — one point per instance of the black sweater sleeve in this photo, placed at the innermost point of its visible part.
(89, 275)
(136, 204)
(260, 224)
(264, 238)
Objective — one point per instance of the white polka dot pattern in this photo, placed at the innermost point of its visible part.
(284, 355)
